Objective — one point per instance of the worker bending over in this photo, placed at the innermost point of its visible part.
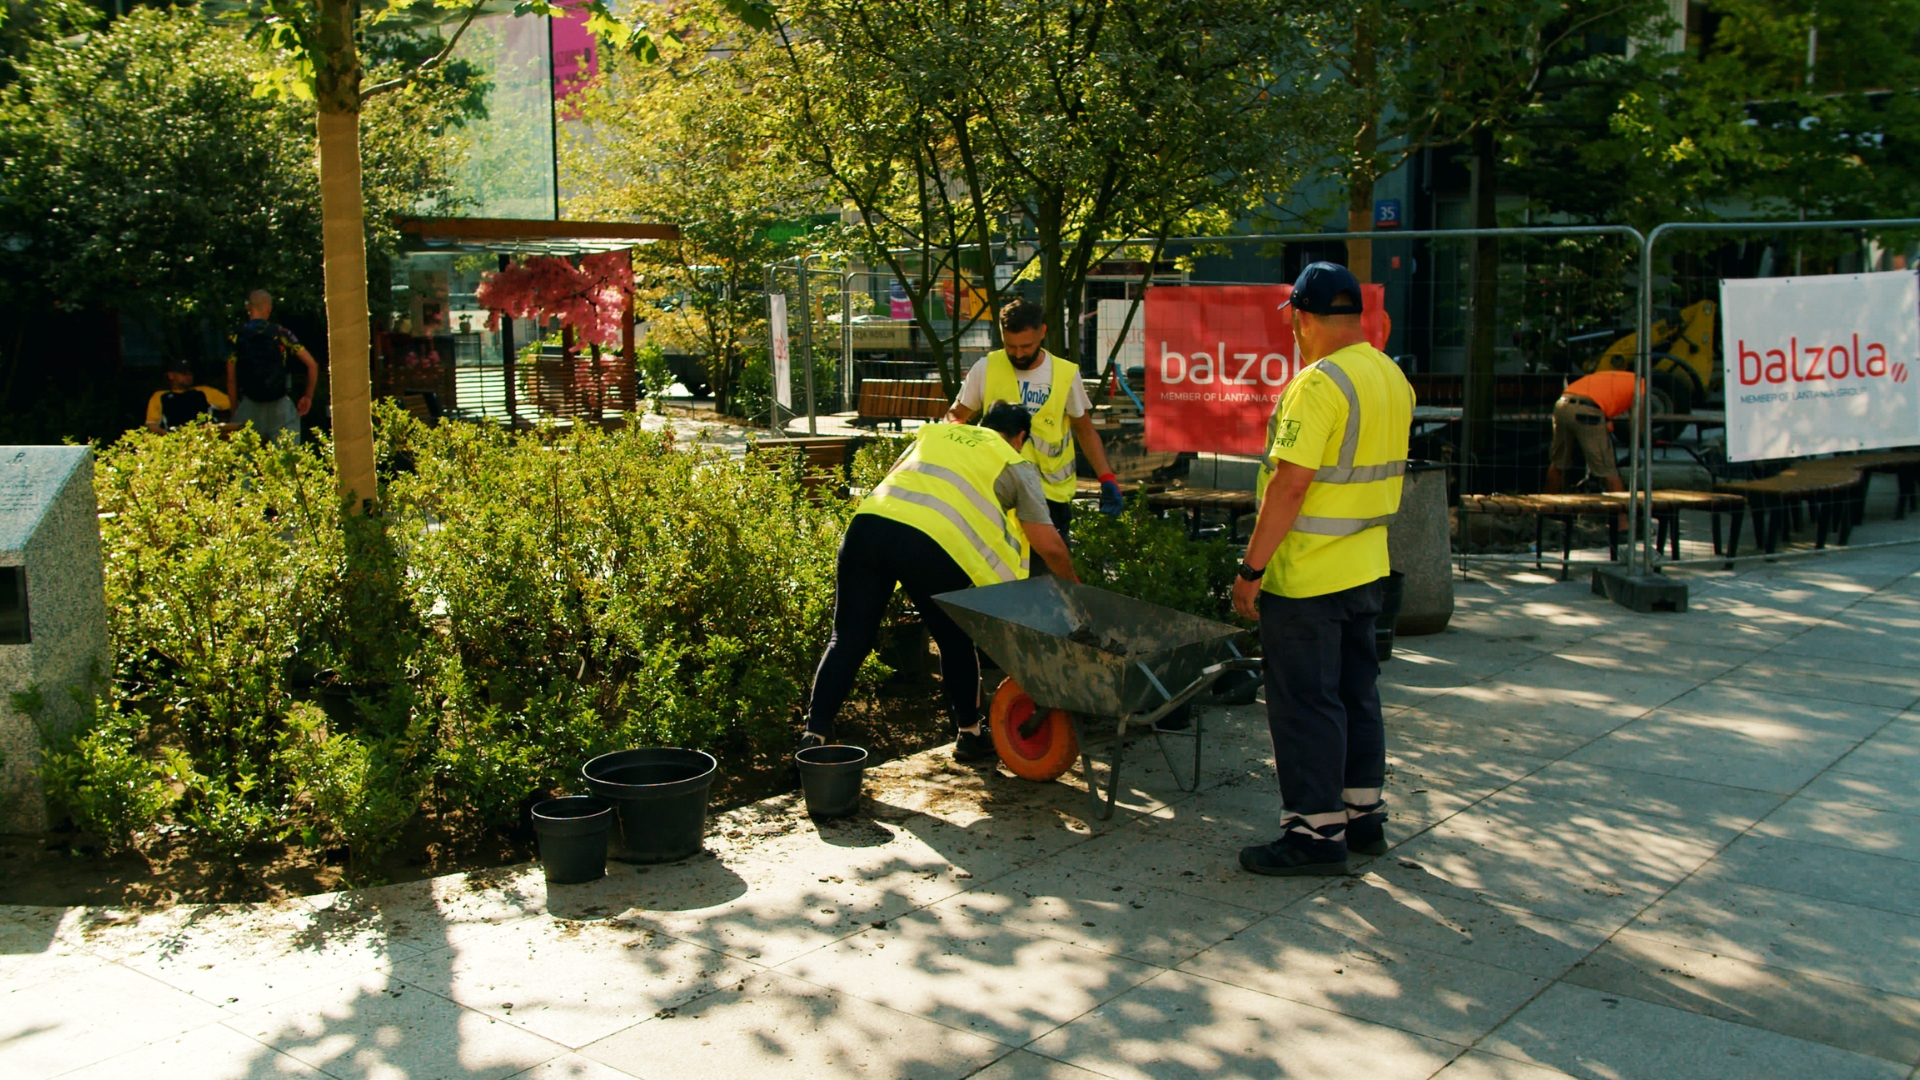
(1049, 388)
(960, 508)
(1581, 419)
(1330, 482)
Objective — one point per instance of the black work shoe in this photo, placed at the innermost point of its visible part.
(974, 746)
(1295, 856)
(1367, 834)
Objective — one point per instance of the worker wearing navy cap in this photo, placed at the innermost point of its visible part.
(1329, 484)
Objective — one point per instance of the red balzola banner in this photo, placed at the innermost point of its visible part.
(1218, 358)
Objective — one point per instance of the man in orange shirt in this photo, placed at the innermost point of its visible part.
(1580, 419)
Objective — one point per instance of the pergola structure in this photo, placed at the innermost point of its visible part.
(558, 387)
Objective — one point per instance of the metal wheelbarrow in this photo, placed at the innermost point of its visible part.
(1100, 656)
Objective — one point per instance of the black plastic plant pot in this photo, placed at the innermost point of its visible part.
(573, 838)
(830, 776)
(661, 793)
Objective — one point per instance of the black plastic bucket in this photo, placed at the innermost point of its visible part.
(573, 838)
(661, 793)
(830, 776)
(1392, 588)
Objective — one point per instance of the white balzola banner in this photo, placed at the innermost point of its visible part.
(782, 356)
(1817, 365)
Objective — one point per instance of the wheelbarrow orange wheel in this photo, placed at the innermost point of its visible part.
(1043, 755)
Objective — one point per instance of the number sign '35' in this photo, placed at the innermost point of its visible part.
(1816, 365)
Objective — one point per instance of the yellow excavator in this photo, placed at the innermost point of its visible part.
(1682, 357)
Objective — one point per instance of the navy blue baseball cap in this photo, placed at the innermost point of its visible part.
(1317, 286)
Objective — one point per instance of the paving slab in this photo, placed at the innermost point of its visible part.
(1369, 977)
(1788, 699)
(214, 1052)
(1892, 753)
(1825, 871)
(1589, 1033)
(574, 1067)
(1836, 940)
(1761, 754)
(1845, 825)
(1840, 1014)
(56, 1027)
(574, 981)
(1104, 912)
(1373, 906)
(1025, 1065)
(1475, 1065)
(1648, 793)
(1180, 1026)
(778, 1026)
(972, 975)
(1573, 862)
(378, 1026)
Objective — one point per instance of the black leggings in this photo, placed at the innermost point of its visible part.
(876, 554)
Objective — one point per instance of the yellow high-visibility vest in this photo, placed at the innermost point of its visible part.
(944, 488)
(1339, 540)
(1050, 444)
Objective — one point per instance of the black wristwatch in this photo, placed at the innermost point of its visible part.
(1248, 573)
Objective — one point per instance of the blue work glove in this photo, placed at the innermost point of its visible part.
(1111, 501)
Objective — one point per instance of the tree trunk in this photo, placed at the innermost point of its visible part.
(343, 242)
(1485, 275)
(1360, 219)
(1366, 142)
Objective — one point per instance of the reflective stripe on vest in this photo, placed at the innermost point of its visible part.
(1344, 471)
(985, 505)
(943, 487)
(933, 502)
(1050, 443)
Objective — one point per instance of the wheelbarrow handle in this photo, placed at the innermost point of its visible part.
(1207, 677)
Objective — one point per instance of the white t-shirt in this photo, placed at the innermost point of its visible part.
(1035, 385)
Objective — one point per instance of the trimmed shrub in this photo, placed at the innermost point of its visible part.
(1151, 559)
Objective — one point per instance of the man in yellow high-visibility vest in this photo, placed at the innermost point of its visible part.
(960, 508)
(1329, 484)
(1049, 387)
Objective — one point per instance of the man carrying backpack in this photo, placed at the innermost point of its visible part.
(260, 369)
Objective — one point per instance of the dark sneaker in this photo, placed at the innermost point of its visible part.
(1180, 719)
(1367, 834)
(974, 746)
(1295, 855)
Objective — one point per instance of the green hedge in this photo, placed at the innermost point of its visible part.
(285, 672)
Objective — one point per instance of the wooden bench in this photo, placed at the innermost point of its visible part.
(423, 406)
(1610, 505)
(1196, 502)
(889, 401)
(827, 460)
(1832, 487)
(1904, 465)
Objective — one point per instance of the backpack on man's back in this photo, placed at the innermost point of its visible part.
(260, 367)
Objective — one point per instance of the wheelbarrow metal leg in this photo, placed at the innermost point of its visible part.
(1102, 805)
(1196, 733)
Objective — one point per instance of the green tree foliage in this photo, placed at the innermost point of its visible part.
(680, 142)
(952, 127)
(1747, 117)
(144, 171)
